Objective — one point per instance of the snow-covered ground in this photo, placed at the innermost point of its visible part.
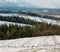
(58, 16)
(38, 19)
(34, 44)
(8, 14)
(7, 23)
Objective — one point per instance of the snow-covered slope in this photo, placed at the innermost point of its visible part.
(38, 19)
(8, 14)
(34, 44)
(7, 23)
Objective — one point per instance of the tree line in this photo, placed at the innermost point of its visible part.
(40, 15)
(17, 19)
(15, 31)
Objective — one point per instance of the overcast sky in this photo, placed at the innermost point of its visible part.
(31, 3)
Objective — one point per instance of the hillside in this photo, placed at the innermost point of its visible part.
(34, 44)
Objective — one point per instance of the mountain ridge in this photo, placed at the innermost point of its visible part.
(40, 10)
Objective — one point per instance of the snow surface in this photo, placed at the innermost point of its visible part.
(38, 19)
(8, 14)
(33, 44)
(38, 44)
(7, 23)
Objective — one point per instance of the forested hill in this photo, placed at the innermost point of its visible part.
(40, 10)
(17, 19)
(40, 29)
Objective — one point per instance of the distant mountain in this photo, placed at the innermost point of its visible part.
(24, 9)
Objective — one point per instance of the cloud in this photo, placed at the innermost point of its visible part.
(31, 3)
(10, 1)
(45, 3)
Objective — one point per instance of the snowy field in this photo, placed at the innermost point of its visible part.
(34, 44)
(8, 14)
(38, 19)
(19, 24)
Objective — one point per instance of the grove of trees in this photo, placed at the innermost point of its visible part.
(15, 31)
(17, 19)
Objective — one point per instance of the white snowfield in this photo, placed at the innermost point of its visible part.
(8, 14)
(38, 19)
(19, 24)
(33, 44)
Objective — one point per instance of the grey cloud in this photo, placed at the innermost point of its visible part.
(31, 3)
